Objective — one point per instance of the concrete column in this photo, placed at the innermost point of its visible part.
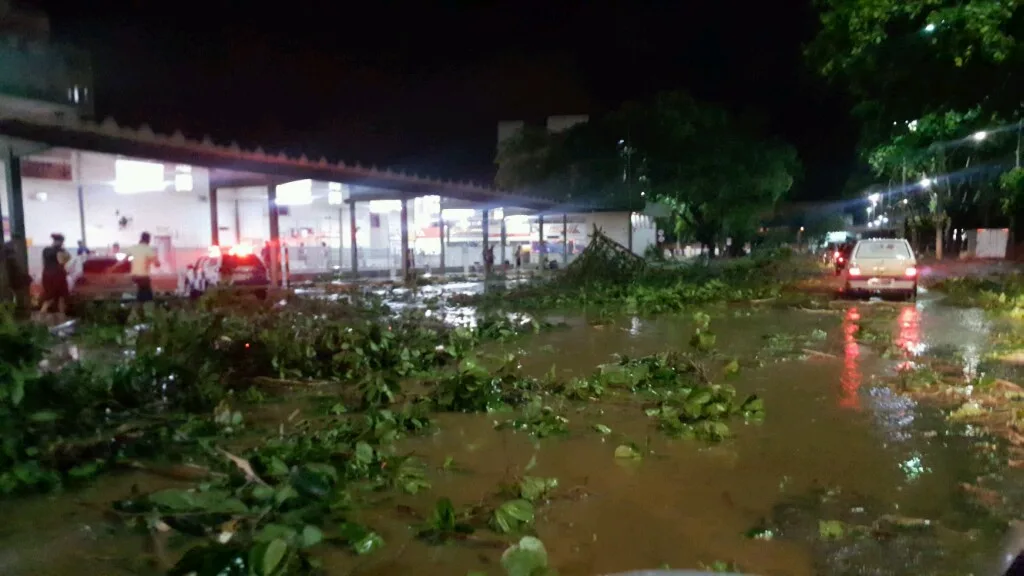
(238, 222)
(81, 215)
(440, 225)
(629, 232)
(352, 237)
(485, 224)
(16, 204)
(275, 236)
(504, 240)
(81, 196)
(565, 240)
(341, 236)
(214, 221)
(541, 256)
(406, 269)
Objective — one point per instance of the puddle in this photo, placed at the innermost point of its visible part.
(828, 427)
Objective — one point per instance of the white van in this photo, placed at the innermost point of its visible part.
(882, 266)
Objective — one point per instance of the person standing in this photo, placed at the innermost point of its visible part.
(55, 276)
(143, 257)
(83, 250)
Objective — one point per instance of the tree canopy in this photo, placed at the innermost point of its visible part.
(937, 85)
(717, 173)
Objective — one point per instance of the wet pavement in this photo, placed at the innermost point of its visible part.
(835, 445)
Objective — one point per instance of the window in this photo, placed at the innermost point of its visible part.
(893, 249)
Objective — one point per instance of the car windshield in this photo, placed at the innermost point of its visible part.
(883, 250)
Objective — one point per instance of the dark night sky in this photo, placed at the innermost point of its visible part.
(403, 84)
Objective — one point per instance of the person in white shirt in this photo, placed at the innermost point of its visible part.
(143, 258)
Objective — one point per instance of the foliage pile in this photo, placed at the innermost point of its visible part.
(654, 289)
(172, 400)
(1001, 293)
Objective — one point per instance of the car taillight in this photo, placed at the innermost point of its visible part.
(840, 258)
(855, 271)
(836, 254)
(911, 272)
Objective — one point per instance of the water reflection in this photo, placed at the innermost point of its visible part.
(851, 378)
(909, 337)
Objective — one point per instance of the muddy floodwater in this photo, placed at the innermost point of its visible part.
(834, 445)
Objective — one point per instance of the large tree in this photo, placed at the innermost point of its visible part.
(718, 174)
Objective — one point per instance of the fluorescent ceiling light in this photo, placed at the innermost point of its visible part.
(134, 176)
(384, 206)
(297, 193)
(183, 182)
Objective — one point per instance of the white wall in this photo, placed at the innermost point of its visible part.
(52, 206)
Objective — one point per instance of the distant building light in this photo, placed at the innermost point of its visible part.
(185, 168)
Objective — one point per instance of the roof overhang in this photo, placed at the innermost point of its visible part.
(231, 166)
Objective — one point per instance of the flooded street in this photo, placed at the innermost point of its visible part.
(835, 446)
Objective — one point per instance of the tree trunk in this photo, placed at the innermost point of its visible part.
(938, 241)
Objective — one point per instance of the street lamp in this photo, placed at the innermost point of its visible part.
(874, 198)
(979, 136)
(926, 182)
(929, 28)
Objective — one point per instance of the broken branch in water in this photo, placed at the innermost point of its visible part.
(816, 354)
(242, 465)
(277, 382)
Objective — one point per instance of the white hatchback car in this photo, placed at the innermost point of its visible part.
(882, 266)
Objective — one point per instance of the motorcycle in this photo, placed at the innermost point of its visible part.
(840, 259)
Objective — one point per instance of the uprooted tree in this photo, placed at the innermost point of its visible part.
(604, 259)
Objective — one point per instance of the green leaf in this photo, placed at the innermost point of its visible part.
(174, 499)
(273, 556)
(732, 367)
(311, 536)
(527, 558)
(364, 453)
(270, 532)
(626, 451)
(831, 529)
(601, 428)
(531, 488)
(263, 492)
(513, 516)
(44, 416)
(368, 544)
